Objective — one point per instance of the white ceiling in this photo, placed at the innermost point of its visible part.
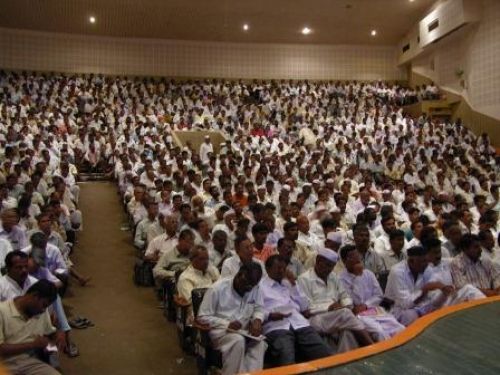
(270, 21)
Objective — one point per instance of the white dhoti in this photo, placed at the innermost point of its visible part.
(381, 327)
(75, 190)
(239, 354)
(76, 220)
(467, 293)
(336, 322)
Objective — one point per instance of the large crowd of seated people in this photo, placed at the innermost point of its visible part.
(327, 220)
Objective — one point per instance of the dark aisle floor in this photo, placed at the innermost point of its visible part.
(130, 336)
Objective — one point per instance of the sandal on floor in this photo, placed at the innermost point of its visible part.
(87, 322)
(77, 323)
(72, 350)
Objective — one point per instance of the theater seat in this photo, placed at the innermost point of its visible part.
(206, 355)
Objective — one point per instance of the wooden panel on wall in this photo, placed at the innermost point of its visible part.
(41, 51)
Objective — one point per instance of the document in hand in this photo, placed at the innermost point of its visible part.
(246, 334)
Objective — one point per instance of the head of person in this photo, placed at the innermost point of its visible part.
(38, 240)
(291, 231)
(416, 228)
(260, 232)
(9, 218)
(171, 224)
(247, 278)
(452, 232)
(152, 209)
(471, 246)
(361, 236)
(199, 258)
(185, 242)
(352, 259)
(334, 240)
(364, 197)
(397, 240)
(44, 222)
(303, 224)
(486, 238)
(16, 263)
(325, 262)
(417, 259)
(244, 249)
(285, 248)
(242, 227)
(38, 297)
(276, 267)
(219, 240)
(433, 248)
(388, 223)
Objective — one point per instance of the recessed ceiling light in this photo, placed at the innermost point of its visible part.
(246, 27)
(411, 1)
(374, 32)
(306, 31)
(92, 19)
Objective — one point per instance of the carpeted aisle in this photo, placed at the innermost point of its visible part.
(130, 336)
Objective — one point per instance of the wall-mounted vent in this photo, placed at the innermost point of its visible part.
(433, 25)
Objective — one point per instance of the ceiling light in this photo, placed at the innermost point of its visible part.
(306, 31)
(246, 27)
(411, 1)
(92, 19)
(374, 32)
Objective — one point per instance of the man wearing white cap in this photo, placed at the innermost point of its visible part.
(330, 305)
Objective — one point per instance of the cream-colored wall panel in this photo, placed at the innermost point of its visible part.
(23, 49)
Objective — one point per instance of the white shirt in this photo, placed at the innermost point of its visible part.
(363, 289)
(321, 295)
(283, 297)
(232, 265)
(222, 304)
(204, 150)
(161, 245)
(5, 248)
(403, 289)
(10, 289)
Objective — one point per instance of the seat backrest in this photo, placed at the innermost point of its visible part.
(196, 298)
(382, 279)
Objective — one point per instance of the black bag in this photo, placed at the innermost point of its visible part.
(143, 273)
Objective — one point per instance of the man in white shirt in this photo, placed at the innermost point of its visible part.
(233, 306)
(407, 287)
(244, 255)
(26, 327)
(17, 280)
(206, 148)
(366, 294)
(164, 242)
(382, 244)
(218, 251)
(439, 270)
(142, 228)
(396, 254)
(287, 330)
(329, 304)
(371, 259)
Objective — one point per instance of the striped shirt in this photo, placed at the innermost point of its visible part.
(482, 274)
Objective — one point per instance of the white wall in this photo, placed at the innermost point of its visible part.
(477, 53)
(21, 49)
